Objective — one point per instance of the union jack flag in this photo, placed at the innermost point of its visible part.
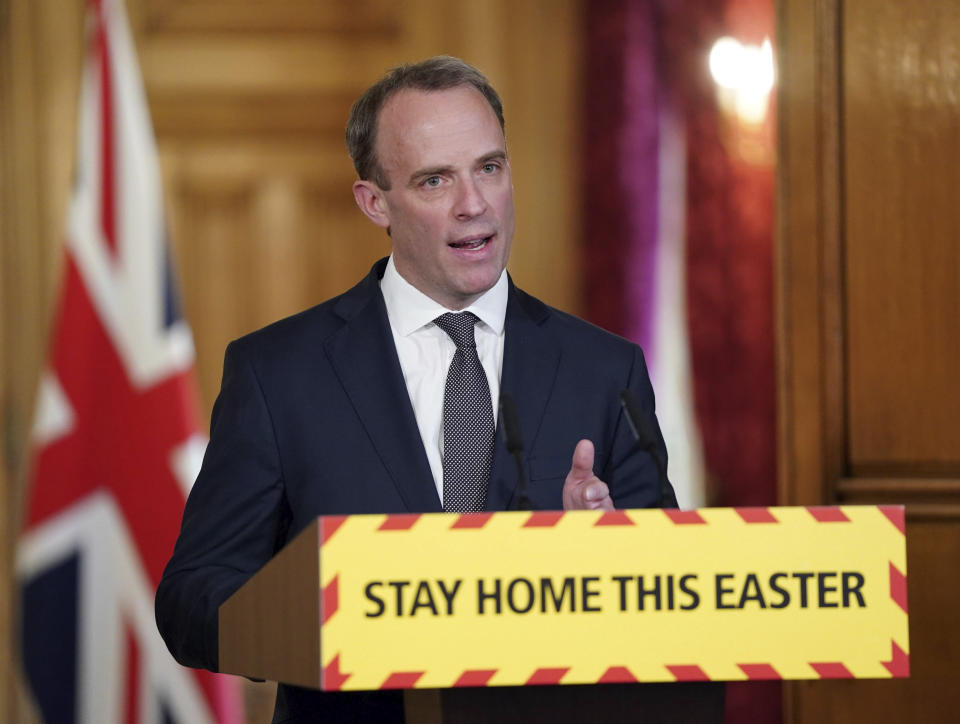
(116, 439)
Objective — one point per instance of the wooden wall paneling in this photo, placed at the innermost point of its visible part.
(544, 95)
(530, 51)
(902, 119)
(262, 230)
(364, 17)
(810, 405)
(867, 308)
(8, 468)
(39, 99)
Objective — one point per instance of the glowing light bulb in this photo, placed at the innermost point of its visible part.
(725, 62)
(745, 74)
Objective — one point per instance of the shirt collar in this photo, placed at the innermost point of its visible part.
(409, 309)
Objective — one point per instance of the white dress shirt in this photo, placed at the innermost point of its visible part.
(425, 352)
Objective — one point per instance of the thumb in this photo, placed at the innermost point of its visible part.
(582, 466)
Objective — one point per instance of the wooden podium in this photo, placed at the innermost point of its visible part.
(270, 629)
(555, 616)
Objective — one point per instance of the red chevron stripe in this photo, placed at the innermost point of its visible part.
(756, 515)
(617, 675)
(615, 517)
(898, 587)
(831, 670)
(684, 517)
(688, 672)
(899, 663)
(543, 519)
(547, 676)
(759, 672)
(827, 514)
(471, 520)
(400, 521)
(330, 600)
(475, 677)
(332, 679)
(330, 524)
(401, 680)
(895, 515)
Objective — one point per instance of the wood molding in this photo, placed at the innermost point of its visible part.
(215, 115)
(924, 497)
(367, 17)
(811, 411)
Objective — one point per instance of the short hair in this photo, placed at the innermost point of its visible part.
(438, 73)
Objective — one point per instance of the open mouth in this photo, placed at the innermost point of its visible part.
(471, 244)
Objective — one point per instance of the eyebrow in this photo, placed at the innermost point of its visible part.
(498, 155)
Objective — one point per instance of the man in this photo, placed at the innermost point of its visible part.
(338, 410)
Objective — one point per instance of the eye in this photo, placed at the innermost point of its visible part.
(431, 182)
(490, 167)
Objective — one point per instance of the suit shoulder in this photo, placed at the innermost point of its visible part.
(301, 335)
(311, 326)
(572, 330)
(315, 325)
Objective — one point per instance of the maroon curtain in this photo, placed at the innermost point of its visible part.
(639, 56)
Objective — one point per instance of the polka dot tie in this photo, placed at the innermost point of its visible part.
(468, 432)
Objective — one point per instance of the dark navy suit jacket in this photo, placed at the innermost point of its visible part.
(313, 418)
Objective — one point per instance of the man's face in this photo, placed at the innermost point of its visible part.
(450, 205)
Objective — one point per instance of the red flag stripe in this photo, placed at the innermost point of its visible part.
(103, 451)
(108, 214)
(132, 704)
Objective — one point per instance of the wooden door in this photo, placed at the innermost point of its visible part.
(869, 309)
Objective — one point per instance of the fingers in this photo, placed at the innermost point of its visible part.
(596, 496)
(583, 490)
(582, 466)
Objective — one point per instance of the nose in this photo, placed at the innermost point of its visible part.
(470, 201)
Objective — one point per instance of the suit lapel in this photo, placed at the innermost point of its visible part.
(530, 360)
(364, 358)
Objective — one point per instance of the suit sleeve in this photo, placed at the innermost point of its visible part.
(631, 471)
(235, 518)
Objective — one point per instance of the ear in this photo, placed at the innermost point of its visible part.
(370, 199)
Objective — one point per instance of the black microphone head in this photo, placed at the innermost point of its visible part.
(510, 424)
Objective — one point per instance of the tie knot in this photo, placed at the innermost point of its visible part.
(459, 326)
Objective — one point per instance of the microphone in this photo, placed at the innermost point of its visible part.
(645, 439)
(514, 443)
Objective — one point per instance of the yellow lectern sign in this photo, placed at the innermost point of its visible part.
(518, 598)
